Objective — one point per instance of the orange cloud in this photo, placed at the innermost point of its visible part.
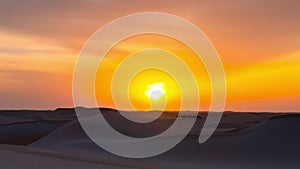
(258, 42)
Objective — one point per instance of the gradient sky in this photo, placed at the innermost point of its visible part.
(258, 42)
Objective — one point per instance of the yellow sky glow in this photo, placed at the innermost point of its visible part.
(257, 43)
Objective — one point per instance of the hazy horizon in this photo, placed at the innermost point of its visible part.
(204, 111)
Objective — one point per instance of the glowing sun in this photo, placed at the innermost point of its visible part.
(155, 91)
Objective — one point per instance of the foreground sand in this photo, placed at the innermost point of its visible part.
(14, 157)
(249, 140)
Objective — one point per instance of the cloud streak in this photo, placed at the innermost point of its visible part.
(40, 40)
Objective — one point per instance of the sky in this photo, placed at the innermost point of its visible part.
(257, 41)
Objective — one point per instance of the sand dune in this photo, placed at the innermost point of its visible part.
(4, 120)
(260, 141)
(271, 144)
(14, 157)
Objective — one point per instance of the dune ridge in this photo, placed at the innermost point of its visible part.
(242, 140)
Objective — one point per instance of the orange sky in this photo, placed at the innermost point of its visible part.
(258, 42)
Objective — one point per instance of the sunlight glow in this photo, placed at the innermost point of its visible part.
(155, 91)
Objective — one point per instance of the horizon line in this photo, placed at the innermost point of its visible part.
(225, 111)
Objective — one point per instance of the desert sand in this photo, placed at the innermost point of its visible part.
(55, 139)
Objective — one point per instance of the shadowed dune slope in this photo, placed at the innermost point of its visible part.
(274, 144)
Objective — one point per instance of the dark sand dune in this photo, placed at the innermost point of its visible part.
(242, 141)
(272, 144)
(269, 144)
(22, 127)
(24, 133)
(16, 157)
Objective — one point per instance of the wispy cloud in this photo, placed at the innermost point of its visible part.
(40, 40)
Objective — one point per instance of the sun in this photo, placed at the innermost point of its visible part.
(155, 91)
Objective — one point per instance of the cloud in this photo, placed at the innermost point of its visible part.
(33, 89)
(70, 23)
(244, 33)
